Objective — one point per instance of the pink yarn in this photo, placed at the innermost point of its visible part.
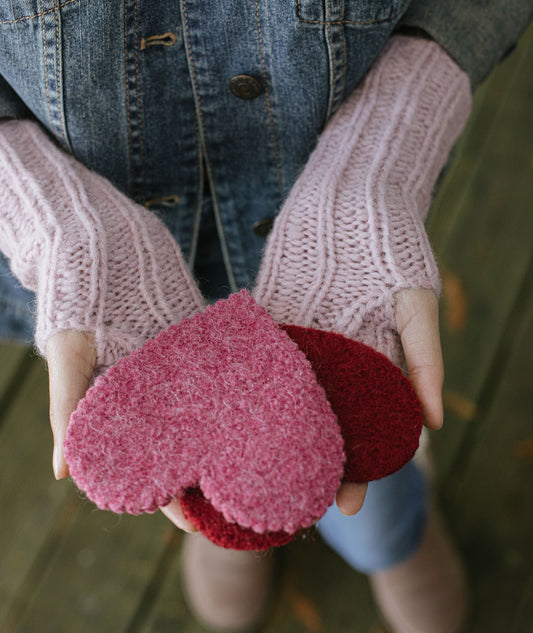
(97, 261)
(224, 400)
(351, 233)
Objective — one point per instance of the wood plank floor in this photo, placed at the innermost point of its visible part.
(65, 567)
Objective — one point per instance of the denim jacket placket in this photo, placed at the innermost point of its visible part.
(138, 90)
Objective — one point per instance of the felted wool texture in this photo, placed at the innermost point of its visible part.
(376, 406)
(378, 412)
(350, 234)
(229, 535)
(97, 261)
(224, 401)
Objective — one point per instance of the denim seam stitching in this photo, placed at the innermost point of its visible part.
(197, 216)
(37, 15)
(130, 148)
(343, 66)
(341, 22)
(200, 123)
(45, 61)
(201, 126)
(327, 26)
(197, 130)
(139, 102)
(58, 78)
(267, 96)
(340, 90)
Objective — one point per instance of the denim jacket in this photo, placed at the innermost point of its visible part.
(172, 101)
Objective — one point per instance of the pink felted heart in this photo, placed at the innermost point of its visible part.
(378, 412)
(224, 401)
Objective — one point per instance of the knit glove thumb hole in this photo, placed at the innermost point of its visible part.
(123, 285)
(97, 261)
(351, 234)
(117, 273)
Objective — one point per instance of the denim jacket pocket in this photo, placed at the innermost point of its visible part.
(350, 12)
(31, 30)
(353, 33)
(13, 12)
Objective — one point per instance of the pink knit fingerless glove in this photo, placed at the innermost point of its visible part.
(351, 233)
(97, 261)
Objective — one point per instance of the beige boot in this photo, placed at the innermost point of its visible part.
(428, 592)
(226, 590)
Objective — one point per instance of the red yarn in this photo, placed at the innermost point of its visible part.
(376, 406)
(212, 524)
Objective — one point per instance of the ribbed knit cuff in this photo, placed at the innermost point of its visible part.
(351, 233)
(97, 261)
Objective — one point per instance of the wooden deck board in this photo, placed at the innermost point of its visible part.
(30, 498)
(467, 159)
(14, 358)
(489, 500)
(523, 621)
(487, 253)
(101, 571)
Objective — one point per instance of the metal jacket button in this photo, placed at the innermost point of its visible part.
(245, 87)
(262, 228)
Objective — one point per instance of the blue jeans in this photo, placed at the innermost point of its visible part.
(389, 527)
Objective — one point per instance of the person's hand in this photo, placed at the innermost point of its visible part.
(71, 357)
(97, 261)
(349, 242)
(417, 320)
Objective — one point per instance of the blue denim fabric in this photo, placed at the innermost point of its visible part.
(154, 117)
(138, 91)
(389, 527)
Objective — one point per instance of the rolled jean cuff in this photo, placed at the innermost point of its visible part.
(389, 527)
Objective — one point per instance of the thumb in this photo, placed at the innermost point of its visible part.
(350, 497)
(417, 318)
(71, 357)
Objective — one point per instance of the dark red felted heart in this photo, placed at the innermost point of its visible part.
(378, 411)
(224, 401)
(212, 524)
(376, 406)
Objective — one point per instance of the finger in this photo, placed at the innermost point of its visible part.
(417, 320)
(350, 497)
(174, 512)
(71, 359)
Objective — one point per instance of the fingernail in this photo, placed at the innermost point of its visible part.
(174, 514)
(56, 463)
